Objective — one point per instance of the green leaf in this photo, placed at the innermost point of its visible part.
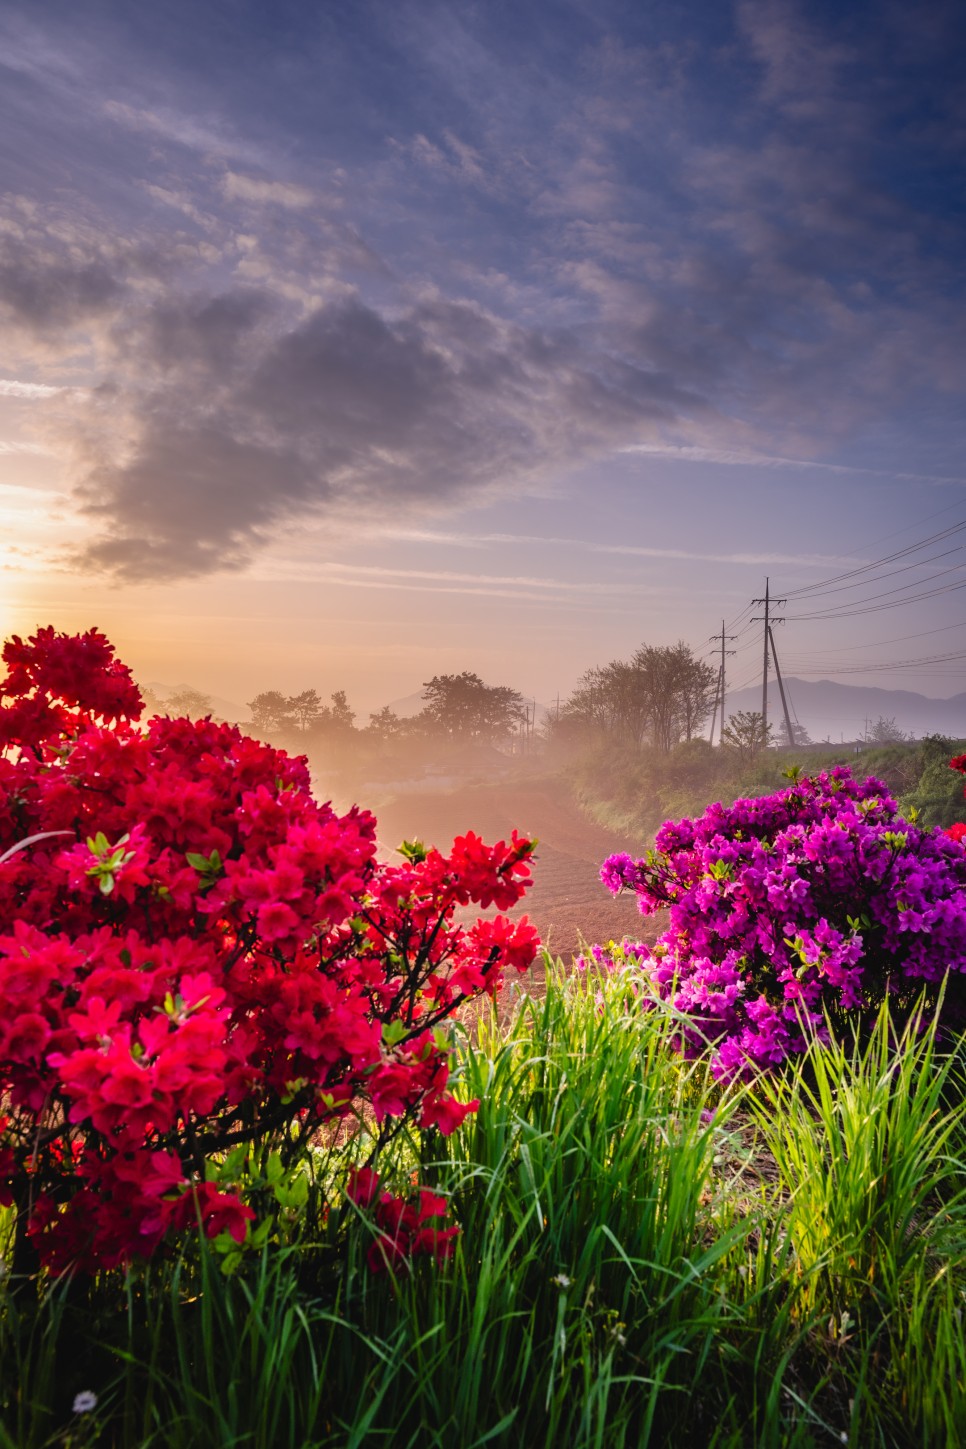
(393, 1032)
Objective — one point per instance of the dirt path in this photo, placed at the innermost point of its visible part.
(567, 902)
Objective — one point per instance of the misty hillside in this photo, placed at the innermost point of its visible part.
(844, 711)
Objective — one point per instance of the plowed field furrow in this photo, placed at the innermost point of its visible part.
(567, 902)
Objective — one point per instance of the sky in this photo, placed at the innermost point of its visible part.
(346, 344)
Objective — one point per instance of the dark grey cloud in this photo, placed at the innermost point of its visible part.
(238, 430)
(211, 333)
(539, 238)
(191, 500)
(49, 293)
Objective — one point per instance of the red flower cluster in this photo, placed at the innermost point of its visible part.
(196, 954)
(958, 831)
(404, 1228)
(55, 681)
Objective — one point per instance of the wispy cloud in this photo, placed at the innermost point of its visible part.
(9, 387)
(731, 458)
(211, 136)
(476, 540)
(179, 201)
(258, 192)
(9, 447)
(349, 572)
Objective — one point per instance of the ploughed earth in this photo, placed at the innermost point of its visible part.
(567, 902)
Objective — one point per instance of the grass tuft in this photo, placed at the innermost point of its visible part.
(643, 1259)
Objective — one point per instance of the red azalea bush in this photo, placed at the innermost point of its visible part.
(194, 955)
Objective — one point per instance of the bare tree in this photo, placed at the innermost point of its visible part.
(885, 732)
(746, 733)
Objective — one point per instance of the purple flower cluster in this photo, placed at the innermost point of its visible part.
(819, 898)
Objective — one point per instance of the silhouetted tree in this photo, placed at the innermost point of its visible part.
(340, 716)
(663, 694)
(463, 707)
(306, 709)
(385, 726)
(186, 701)
(679, 690)
(271, 712)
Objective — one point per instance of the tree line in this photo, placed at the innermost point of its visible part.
(660, 696)
(456, 707)
(664, 695)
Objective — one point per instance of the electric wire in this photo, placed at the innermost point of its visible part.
(820, 584)
(877, 608)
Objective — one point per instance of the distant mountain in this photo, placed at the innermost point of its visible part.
(406, 707)
(845, 711)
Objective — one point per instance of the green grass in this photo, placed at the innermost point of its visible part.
(643, 1261)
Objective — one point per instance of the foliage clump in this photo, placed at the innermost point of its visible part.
(816, 902)
(199, 956)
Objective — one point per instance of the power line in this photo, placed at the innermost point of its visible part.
(938, 537)
(906, 568)
(877, 608)
(898, 639)
(872, 572)
(889, 666)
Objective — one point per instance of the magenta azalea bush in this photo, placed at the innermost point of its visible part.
(196, 956)
(817, 900)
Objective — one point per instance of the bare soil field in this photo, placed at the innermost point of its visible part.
(567, 902)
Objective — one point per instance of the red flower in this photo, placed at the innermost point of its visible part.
(446, 1113)
(206, 956)
(218, 1212)
(363, 1187)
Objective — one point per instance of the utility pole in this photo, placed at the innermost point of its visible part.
(720, 691)
(781, 688)
(768, 621)
(714, 712)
